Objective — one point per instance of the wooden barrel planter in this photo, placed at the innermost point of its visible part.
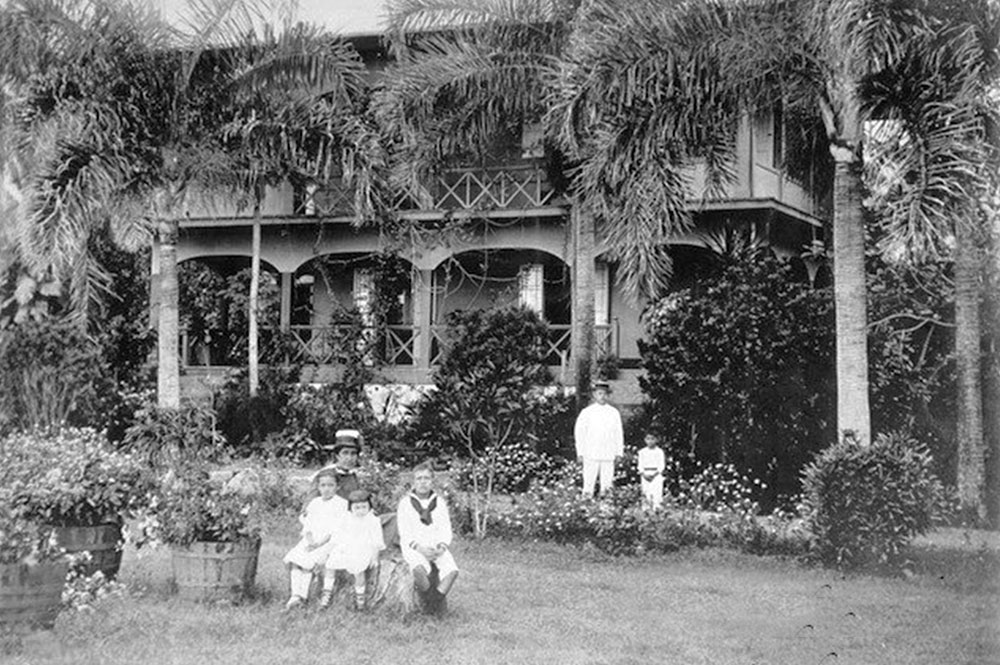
(31, 593)
(206, 571)
(103, 541)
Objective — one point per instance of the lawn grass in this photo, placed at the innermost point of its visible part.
(543, 603)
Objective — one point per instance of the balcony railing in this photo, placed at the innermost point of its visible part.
(558, 342)
(316, 345)
(515, 186)
(392, 345)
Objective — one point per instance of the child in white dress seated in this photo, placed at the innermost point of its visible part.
(319, 522)
(359, 541)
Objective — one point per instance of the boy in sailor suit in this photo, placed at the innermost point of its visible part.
(425, 535)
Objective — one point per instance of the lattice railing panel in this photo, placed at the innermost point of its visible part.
(489, 188)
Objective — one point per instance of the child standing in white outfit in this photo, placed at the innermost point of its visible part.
(319, 522)
(359, 541)
(651, 465)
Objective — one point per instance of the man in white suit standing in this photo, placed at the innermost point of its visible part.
(599, 440)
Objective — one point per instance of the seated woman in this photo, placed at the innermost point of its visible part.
(346, 448)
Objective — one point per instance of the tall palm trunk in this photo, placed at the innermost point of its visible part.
(253, 351)
(582, 331)
(971, 478)
(991, 402)
(850, 301)
(168, 383)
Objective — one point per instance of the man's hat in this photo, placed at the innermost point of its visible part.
(345, 438)
(602, 385)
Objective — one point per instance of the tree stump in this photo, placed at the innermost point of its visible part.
(390, 587)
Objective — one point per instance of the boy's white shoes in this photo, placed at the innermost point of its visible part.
(325, 600)
(294, 602)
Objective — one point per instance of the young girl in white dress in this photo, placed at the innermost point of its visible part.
(359, 541)
(319, 523)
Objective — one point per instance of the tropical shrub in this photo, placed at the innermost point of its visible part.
(739, 370)
(70, 478)
(911, 364)
(51, 375)
(245, 421)
(319, 411)
(865, 503)
(162, 437)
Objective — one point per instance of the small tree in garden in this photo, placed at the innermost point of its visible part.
(494, 362)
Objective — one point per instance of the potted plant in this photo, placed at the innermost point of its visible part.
(213, 531)
(73, 481)
(32, 569)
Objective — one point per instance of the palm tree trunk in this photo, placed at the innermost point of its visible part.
(253, 352)
(991, 402)
(582, 331)
(971, 478)
(850, 299)
(168, 383)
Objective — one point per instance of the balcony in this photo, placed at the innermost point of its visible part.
(523, 186)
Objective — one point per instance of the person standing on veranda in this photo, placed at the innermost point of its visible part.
(599, 440)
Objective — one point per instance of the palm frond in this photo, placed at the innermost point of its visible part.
(930, 159)
(414, 16)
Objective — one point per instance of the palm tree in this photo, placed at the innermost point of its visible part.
(301, 130)
(214, 58)
(71, 101)
(173, 144)
(467, 72)
(941, 132)
(839, 57)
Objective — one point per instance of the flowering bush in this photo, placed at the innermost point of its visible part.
(22, 540)
(516, 465)
(83, 592)
(713, 510)
(552, 511)
(70, 478)
(719, 487)
(189, 506)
